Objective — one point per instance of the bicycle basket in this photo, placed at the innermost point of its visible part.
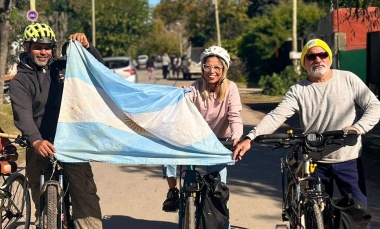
(7, 167)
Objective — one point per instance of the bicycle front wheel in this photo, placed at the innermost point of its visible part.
(313, 215)
(15, 203)
(50, 212)
(189, 216)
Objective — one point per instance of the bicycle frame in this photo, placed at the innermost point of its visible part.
(305, 206)
(298, 181)
(190, 188)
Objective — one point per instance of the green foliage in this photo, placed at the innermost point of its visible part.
(198, 19)
(259, 7)
(124, 28)
(267, 33)
(278, 84)
(236, 72)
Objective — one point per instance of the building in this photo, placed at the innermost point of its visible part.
(347, 37)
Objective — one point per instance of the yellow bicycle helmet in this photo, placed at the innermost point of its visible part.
(39, 33)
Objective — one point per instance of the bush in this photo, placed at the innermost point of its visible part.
(278, 84)
(236, 72)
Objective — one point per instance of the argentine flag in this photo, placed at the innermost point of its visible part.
(105, 118)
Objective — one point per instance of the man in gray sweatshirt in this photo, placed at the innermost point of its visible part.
(325, 101)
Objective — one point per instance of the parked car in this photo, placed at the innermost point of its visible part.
(141, 61)
(122, 66)
(195, 69)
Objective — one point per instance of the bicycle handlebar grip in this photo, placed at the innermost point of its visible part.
(4, 135)
(271, 138)
(339, 133)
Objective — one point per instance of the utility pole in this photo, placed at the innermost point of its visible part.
(294, 30)
(215, 2)
(32, 4)
(93, 23)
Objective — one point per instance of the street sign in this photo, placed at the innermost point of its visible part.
(32, 15)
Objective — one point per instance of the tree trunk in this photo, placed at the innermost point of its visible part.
(58, 22)
(5, 29)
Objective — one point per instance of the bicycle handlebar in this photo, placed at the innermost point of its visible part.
(227, 144)
(12, 136)
(312, 141)
(17, 139)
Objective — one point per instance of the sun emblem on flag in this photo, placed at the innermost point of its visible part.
(134, 126)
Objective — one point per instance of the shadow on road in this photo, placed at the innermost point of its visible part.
(122, 222)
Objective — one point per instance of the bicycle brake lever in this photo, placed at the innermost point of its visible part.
(21, 142)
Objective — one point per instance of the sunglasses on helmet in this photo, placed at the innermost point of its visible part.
(313, 56)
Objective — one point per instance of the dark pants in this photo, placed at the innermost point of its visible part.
(348, 176)
(165, 71)
(82, 188)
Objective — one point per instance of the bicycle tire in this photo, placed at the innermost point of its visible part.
(15, 208)
(51, 208)
(313, 216)
(291, 206)
(189, 216)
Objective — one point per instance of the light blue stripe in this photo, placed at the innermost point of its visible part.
(130, 97)
(110, 145)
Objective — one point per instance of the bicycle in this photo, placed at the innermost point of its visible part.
(55, 202)
(15, 205)
(190, 195)
(305, 205)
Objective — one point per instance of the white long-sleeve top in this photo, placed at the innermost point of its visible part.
(326, 106)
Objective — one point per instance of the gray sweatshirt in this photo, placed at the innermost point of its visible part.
(326, 106)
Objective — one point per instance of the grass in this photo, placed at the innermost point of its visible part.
(259, 98)
(6, 121)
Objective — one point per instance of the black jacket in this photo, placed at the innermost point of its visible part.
(36, 95)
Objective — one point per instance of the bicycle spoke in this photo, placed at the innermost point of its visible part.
(15, 214)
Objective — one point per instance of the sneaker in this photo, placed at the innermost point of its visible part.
(172, 200)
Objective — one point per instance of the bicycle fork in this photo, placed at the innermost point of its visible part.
(59, 187)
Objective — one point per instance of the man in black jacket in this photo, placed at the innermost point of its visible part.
(36, 93)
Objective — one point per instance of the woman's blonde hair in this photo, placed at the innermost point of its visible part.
(220, 90)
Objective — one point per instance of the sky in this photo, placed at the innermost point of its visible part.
(153, 2)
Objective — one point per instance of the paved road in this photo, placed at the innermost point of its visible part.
(131, 196)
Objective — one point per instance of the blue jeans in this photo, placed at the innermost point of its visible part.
(171, 171)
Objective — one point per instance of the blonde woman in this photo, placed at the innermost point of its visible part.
(218, 100)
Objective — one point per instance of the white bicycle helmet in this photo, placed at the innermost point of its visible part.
(216, 51)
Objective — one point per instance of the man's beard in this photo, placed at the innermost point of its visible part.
(40, 63)
(317, 72)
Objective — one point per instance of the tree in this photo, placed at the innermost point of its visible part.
(259, 7)
(9, 17)
(268, 32)
(119, 32)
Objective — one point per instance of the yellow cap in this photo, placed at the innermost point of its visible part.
(313, 43)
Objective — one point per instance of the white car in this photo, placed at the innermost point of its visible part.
(195, 69)
(141, 61)
(122, 66)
